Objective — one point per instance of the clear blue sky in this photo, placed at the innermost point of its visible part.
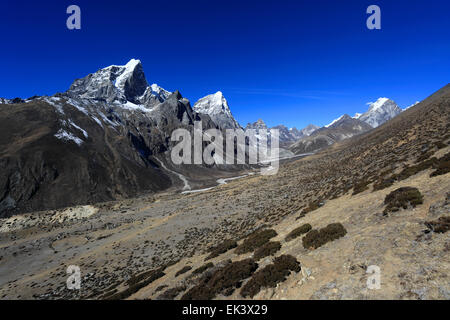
(290, 62)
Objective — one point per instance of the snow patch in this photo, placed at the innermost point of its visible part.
(333, 122)
(67, 136)
(129, 69)
(79, 128)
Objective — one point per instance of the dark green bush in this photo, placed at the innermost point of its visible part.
(440, 144)
(267, 249)
(410, 171)
(221, 248)
(298, 232)
(203, 268)
(136, 283)
(161, 288)
(316, 238)
(255, 240)
(223, 281)
(271, 275)
(441, 225)
(172, 293)
(424, 156)
(402, 198)
(145, 275)
(183, 270)
(442, 166)
(360, 187)
(383, 183)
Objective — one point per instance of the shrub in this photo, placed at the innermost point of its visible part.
(223, 281)
(271, 275)
(203, 268)
(407, 172)
(183, 270)
(316, 238)
(360, 187)
(384, 183)
(221, 248)
(442, 166)
(424, 156)
(160, 288)
(267, 249)
(441, 225)
(145, 275)
(136, 283)
(402, 198)
(314, 205)
(440, 144)
(298, 232)
(172, 293)
(255, 240)
(410, 171)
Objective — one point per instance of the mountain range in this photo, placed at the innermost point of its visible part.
(105, 138)
(345, 126)
(108, 137)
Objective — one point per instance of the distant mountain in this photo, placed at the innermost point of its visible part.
(259, 124)
(308, 130)
(345, 126)
(286, 135)
(11, 101)
(216, 107)
(380, 111)
(340, 129)
(109, 137)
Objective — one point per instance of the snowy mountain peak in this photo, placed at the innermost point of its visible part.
(259, 124)
(216, 106)
(119, 83)
(378, 104)
(380, 111)
(335, 121)
(309, 129)
(212, 104)
(132, 68)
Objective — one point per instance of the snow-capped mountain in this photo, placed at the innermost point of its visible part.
(308, 130)
(11, 101)
(105, 138)
(342, 128)
(4, 101)
(259, 124)
(334, 121)
(380, 111)
(119, 84)
(287, 135)
(216, 106)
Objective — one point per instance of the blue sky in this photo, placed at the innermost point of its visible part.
(290, 62)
